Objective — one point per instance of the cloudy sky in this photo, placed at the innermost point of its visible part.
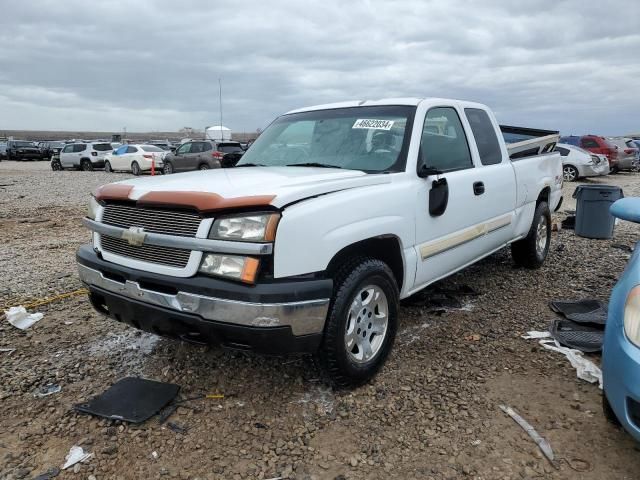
(154, 65)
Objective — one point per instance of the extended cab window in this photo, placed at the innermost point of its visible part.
(485, 136)
(444, 144)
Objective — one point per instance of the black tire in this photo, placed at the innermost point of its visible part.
(528, 252)
(56, 166)
(86, 166)
(203, 166)
(167, 168)
(608, 412)
(350, 280)
(135, 168)
(107, 167)
(570, 173)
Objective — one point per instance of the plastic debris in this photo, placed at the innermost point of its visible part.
(76, 455)
(586, 370)
(155, 455)
(542, 443)
(8, 351)
(47, 390)
(19, 318)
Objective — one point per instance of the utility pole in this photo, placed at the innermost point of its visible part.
(220, 90)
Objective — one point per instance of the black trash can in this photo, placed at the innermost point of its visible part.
(593, 219)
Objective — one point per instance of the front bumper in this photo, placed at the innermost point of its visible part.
(621, 379)
(275, 317)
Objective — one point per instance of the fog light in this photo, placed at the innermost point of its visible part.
(235, 267)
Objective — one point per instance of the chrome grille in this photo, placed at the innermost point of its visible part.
(172, 257)
(153, 220)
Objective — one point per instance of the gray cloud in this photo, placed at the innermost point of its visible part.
(155, 64)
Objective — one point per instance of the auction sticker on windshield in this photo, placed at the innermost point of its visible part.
(373, 124)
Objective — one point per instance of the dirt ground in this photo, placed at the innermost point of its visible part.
(431, 413)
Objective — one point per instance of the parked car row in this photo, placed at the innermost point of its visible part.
(144, 157)
(621, 152)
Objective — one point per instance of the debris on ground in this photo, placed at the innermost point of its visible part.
(582, 311)
(47, 390)
(76, 455)
(542, 443)
(586, 370)
(624, 248)
(8, 351)
(131, 399)
(581, 337)
(19, 318)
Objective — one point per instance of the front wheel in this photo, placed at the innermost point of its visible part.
(531, 251)
(362, 322)
(167, 168)
(135, 168)
(569, 173)
(56, 166)
(107, 167)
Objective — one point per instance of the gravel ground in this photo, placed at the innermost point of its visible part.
(431, 413)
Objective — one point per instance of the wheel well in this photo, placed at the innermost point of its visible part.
(385, 248)
(85, 159)
(544, 195)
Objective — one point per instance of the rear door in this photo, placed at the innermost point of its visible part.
(496, 185)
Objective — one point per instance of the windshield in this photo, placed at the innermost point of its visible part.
(372, 139)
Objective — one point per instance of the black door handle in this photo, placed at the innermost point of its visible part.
(478, 188)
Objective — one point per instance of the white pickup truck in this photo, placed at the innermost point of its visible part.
(333, 215)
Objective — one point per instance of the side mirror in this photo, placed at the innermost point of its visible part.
(438, 197)
(627, 209)
(424, 171)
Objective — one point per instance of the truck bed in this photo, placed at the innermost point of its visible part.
(525, 142)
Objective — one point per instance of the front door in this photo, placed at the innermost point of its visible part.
(181, 157)
(450, 240)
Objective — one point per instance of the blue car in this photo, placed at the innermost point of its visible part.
(621, 349)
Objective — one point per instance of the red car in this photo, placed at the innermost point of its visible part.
(596, 144)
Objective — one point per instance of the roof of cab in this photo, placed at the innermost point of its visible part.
(411, 101)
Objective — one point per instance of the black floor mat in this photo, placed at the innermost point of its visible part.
(131, 399)
(582, 311)
(574, 335)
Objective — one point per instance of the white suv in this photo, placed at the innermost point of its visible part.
(84, 156)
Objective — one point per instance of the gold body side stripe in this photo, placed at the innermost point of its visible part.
(434, 247)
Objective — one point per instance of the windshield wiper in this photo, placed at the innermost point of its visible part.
(250, 165)
(313, 164)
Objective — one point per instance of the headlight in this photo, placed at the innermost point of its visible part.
(94, 208)
(235, 267)
(632, 316)
(249, 228)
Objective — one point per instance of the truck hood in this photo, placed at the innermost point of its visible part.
(276, 186)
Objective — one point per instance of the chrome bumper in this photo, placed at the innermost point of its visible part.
(306, 317)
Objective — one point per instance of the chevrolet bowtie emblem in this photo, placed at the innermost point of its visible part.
(134, 236)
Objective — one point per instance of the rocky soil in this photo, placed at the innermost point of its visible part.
(431, 413)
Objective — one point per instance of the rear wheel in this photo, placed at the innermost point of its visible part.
(362, 322)
(569, 173)
(107, 167)
(203, 166)
(135, 168)
(86, 166)
(167, 168)
(531, 251)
